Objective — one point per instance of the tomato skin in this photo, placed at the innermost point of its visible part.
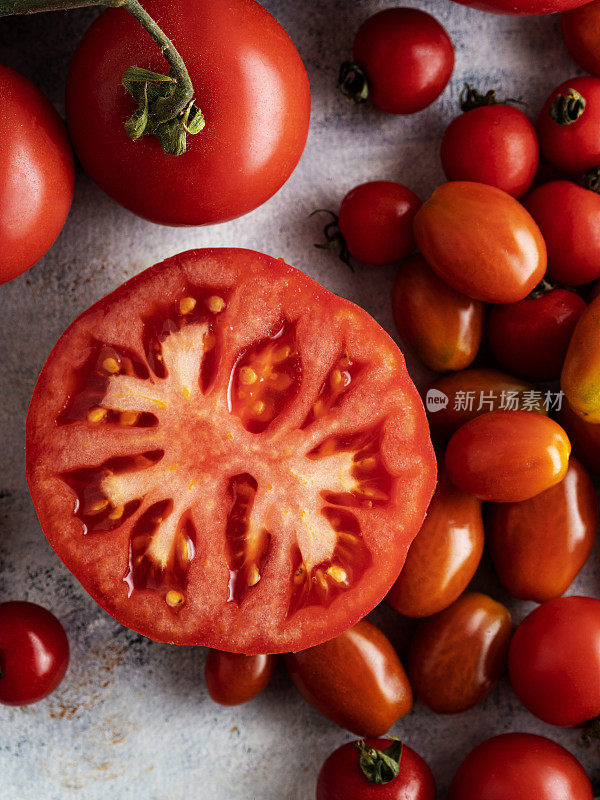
(523, 7)
(355, 680)
(554, 661)
(580, 30)
(539, 545)
(34, 653)
(233, 678)
(37, 174)
(442, 326)
(507, 456)
(584, 436)
(341, 778)
(520, 766)
(494, 144)
(376, 221)
(531, 338)
(481, 241)
(444, 556)
(581, 369)
(408, 58)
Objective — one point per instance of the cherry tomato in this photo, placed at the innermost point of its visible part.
(580, 376)
(233, 678)
(34, 653)
(459, 655)
(481, 241)
(569, 126)
(354, 772)
(36, 175)
(356, 680)
(376, 221)
(569, 219)
(580, 30)
(523, 7)
(520, 766)
(554, 661)
(444, 556)
(531, 337)
(405, 59)
(539, 545)
(507, 456)
(584, 436)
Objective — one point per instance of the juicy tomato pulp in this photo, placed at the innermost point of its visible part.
(226, 454)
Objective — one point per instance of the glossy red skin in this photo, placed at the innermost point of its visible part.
(584, 436)
(355, 680)
(569, 218)
(580, 30)
(408, 58)
(233, 678)
(531, 338)
(507, 456)
(554, 661)
(573, 148)
(34, 653)
(37, 175)
(253, 92)
(341, 777)
(376, 221)
(494, 144)
(520, 766)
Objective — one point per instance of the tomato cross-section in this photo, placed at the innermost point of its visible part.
(226, 454)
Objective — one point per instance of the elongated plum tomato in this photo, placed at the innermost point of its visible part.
(442, 326)
(222, 452)
(584, 436)
(356, 680)
(249, 82)
(234, 678)
(580, 30)
(539, 545)
(507, 456)
(580, 378)
(444, 556)
(481, 241)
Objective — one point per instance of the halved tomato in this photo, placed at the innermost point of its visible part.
(226, 454)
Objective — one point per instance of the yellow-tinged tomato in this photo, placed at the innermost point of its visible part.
(580, 379)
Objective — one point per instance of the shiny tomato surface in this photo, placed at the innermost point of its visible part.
(580, 378)
(234, 678)
(584, 436)
(580, 30)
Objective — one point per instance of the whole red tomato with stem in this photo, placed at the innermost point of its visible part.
(584, 436)
(234, 678)
(402, 61)
(580, 30)
(375, 769)
(34, 653)
(580, 376)
(520, 766)
(554, 661)
(36, 175)
(481, 241)
(491, 142)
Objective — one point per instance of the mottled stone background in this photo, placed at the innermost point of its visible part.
(133, 718)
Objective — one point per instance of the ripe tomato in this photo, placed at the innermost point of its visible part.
(250, 84)
(376, 221)
(459, 655)
(554, 661)
(481, 241)
(34, 653)
(405, 59)
(444, 556)
(442, 326)
(289, 520)
(584, 436)
(580, 376)
(531, 337)
(507, 456)
(356, 680)
(233, 678)
(569, 126)
(356, 770)
(539, 545)
(520, 766)
(580, 30)
(36, 175)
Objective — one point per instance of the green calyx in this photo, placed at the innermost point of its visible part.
(567, 107)
(380, 766)
(353, 82)
(591, 180)
(471, 98)
(334, 239)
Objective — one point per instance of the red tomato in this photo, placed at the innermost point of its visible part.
(356, 680)
(554, 661)
(250, 84)
(343, 778)
(580, 376)
(376, 221)
(233, 678)
(531, 337)
(36, 175)
(507, 456)
(407, 58)
(584, 436)
(520, 766)
(580, 30)
(481, 241)
(569, 126)
(34, 653)
(290, 520)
